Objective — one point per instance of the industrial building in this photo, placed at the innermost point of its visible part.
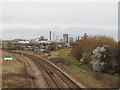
(71, 40)
(65, 37)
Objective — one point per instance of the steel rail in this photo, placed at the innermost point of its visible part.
(54, 68)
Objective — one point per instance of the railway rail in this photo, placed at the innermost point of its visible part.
(54, 77)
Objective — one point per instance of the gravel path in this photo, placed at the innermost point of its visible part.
(39, 81)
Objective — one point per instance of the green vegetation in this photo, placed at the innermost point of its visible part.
(15, 48)
(62, 54)
(98, 52)
(116, 75)
(99, 49)
(85, 75)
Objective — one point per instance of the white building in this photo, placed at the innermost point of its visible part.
(25, 42)
(46, 42)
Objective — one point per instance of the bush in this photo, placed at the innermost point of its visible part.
(89, 44)
(98, 57)
(86, 57)
(104, 59)
(99, 51)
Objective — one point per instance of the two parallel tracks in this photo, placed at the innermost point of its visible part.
(53, 76)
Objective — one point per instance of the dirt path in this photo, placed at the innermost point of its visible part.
(39, 81)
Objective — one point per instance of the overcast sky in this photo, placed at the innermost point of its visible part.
(31, 20)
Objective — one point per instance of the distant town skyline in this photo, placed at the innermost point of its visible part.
(31, 20)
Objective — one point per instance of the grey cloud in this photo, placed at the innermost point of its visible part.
(56, 15)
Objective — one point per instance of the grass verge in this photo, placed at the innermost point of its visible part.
(87, 77)
(62, 54)
(14, 73)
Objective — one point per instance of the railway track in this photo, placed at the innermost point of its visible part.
(53, 76)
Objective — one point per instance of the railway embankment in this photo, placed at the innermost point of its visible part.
(14, 73)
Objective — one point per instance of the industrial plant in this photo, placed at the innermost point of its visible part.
(41, 43)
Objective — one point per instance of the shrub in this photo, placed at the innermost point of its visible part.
(104, 59)
(99, 52)
(89, 44)
(98, 59)
(85, 57)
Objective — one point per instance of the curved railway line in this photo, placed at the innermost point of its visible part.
(54, 77)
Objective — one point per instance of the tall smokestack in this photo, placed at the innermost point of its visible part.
(50, 35)
(78, 37)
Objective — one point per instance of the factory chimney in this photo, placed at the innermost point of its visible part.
(50, 35)
(78, 37)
